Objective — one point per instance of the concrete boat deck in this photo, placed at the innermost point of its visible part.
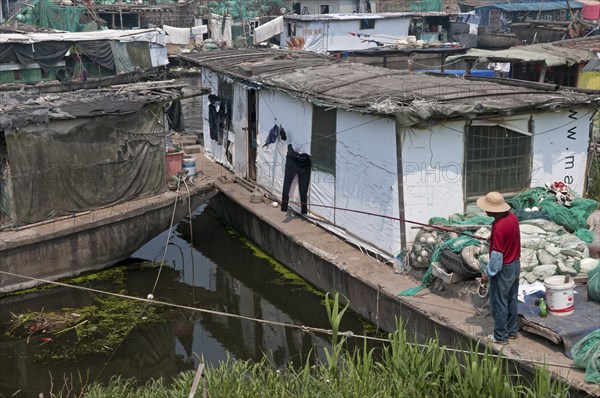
(372, 287)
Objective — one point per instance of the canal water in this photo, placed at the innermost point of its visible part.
(207, 266)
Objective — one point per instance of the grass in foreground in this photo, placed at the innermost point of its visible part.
(400, 370)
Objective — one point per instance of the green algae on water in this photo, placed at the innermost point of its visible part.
(286, 275)
(98, 328)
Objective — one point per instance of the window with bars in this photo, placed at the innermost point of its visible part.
(498, 159)
(323, 139)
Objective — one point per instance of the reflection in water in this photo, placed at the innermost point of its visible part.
(217, 272)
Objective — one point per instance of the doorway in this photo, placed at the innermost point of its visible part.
(251, 130)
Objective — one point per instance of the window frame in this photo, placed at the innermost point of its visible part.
(324, 139)
(483, 139)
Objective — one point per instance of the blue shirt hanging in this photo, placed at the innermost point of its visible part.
(272, 137)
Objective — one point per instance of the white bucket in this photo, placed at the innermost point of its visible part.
(559, 295)
(189, 164)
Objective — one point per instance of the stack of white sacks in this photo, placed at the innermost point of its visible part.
(546, 249)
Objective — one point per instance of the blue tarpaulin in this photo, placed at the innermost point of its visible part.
(570, 328)
(525, 6)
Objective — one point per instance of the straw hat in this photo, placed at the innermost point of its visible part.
(493, 202)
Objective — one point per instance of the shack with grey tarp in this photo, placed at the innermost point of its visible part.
(61, 154)
(30, 57)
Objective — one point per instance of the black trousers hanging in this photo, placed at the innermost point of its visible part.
(296, 164)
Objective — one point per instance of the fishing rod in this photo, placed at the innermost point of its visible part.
(397, 219)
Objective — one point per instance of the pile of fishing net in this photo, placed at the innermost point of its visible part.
(593, 283)
(558, 203)
(547, 248)
(586, 354)
(428, 241)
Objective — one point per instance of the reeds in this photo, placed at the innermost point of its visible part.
(400, 369)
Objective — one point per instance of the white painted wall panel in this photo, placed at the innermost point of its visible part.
(432, 161)
(296, 117)
(367, 179)
(314, 7)
(335, 35)
(560, 146)
(240, 125)
(237, 136)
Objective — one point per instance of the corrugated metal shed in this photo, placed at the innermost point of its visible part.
(411, 97)
(592, 66)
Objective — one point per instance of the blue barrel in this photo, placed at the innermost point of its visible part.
(189, 164)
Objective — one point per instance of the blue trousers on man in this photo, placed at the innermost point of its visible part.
(504, 290)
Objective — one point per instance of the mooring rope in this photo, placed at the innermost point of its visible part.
(162, 261)
(180, 179)
(282, 324)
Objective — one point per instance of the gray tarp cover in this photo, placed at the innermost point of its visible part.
(119, 56)
(65, 167)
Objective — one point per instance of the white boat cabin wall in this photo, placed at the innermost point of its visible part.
(342, 33)
(367, 162)
(351, 32)
(312, 7)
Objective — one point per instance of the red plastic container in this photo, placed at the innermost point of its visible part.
(173, 161)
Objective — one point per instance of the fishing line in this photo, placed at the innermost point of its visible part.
(396, 219)
(282, 324)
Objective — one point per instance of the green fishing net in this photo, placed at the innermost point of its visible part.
(586, 354)
(573, 217)
(454, 244)
(461, 219)
(47, 14)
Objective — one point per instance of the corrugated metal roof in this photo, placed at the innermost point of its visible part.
(326, 81)
(537, 6)
(592, 66)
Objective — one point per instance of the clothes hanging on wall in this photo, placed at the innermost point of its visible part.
(213, 116)
(175, 116)
(282, 133)
(272, 137)
(296, 164)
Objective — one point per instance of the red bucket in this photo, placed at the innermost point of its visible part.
(173, 160)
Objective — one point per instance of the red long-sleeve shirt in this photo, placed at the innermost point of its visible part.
(506, 238)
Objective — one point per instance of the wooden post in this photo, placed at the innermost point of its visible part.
(121, 17)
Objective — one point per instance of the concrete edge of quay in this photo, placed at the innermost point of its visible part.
(372, 287)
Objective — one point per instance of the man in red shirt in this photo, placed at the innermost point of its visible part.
(504, 267)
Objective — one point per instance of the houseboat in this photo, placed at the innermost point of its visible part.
(503, 25)
(407, 146)
(83, 178)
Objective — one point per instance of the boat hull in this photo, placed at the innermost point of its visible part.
(89, 241)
